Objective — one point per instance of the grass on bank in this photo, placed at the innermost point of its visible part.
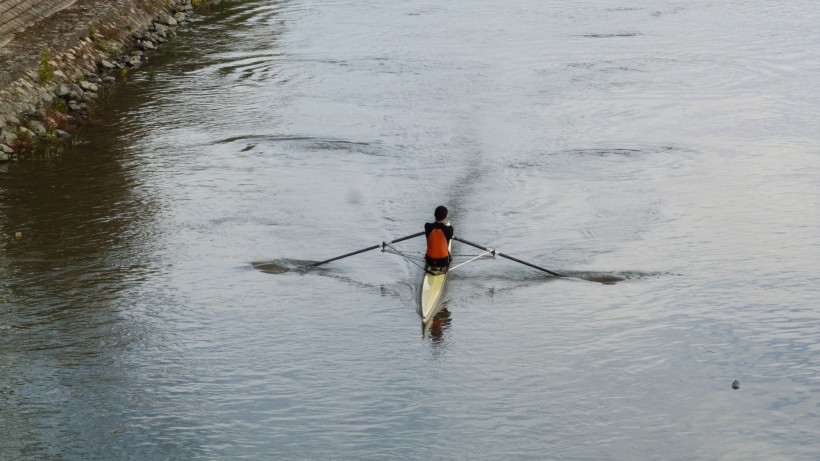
(42, 145)
(105, 37)
(46, 145)
(109, 48)
(46, 71)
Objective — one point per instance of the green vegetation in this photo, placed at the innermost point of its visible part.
(108, 47)
(124, 74)
(169, 49)
(50, 144)
(152, 75)
(23, 145)
(46, 70)
(46, 145)
(59, 105)
(198, 3)
(109, 32)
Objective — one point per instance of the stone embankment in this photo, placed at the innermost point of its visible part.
(56, 56)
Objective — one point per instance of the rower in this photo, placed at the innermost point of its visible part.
(439, 234)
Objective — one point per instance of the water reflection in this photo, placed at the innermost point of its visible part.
(437, 326)
(85, 227)
(72, 292)
(85, 246)
(304, 129)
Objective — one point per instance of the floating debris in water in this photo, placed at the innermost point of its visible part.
(735, 384)
(18, 235)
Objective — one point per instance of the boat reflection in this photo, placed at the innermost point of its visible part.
(435, 328)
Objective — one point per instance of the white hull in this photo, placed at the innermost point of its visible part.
(432, 288)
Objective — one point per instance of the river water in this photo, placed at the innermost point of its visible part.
(157, 306)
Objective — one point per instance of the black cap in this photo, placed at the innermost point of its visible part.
(441, 212)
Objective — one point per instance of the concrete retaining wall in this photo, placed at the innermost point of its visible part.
(17, 15)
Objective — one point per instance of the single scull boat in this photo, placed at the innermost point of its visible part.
(432, 288)
(434, 278)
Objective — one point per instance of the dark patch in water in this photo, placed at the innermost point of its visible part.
(611, 278)
(624, 34)
(675, 10)
(606, 279)
(306, 143)
(540, 159)
(276, 138)
(606, 152)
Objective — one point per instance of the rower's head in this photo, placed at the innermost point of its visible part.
(441, 213)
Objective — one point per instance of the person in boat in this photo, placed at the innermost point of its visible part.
(439, 234)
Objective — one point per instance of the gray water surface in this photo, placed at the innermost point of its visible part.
(157, 305)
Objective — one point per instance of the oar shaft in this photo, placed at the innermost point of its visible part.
(346, 255)
(407, 237)
(366, 249)
(482, 247)
(557, 274)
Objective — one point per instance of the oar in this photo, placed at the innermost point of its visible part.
(498, 253)
(367, 249)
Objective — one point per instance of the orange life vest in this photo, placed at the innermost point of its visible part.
(437, 245)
